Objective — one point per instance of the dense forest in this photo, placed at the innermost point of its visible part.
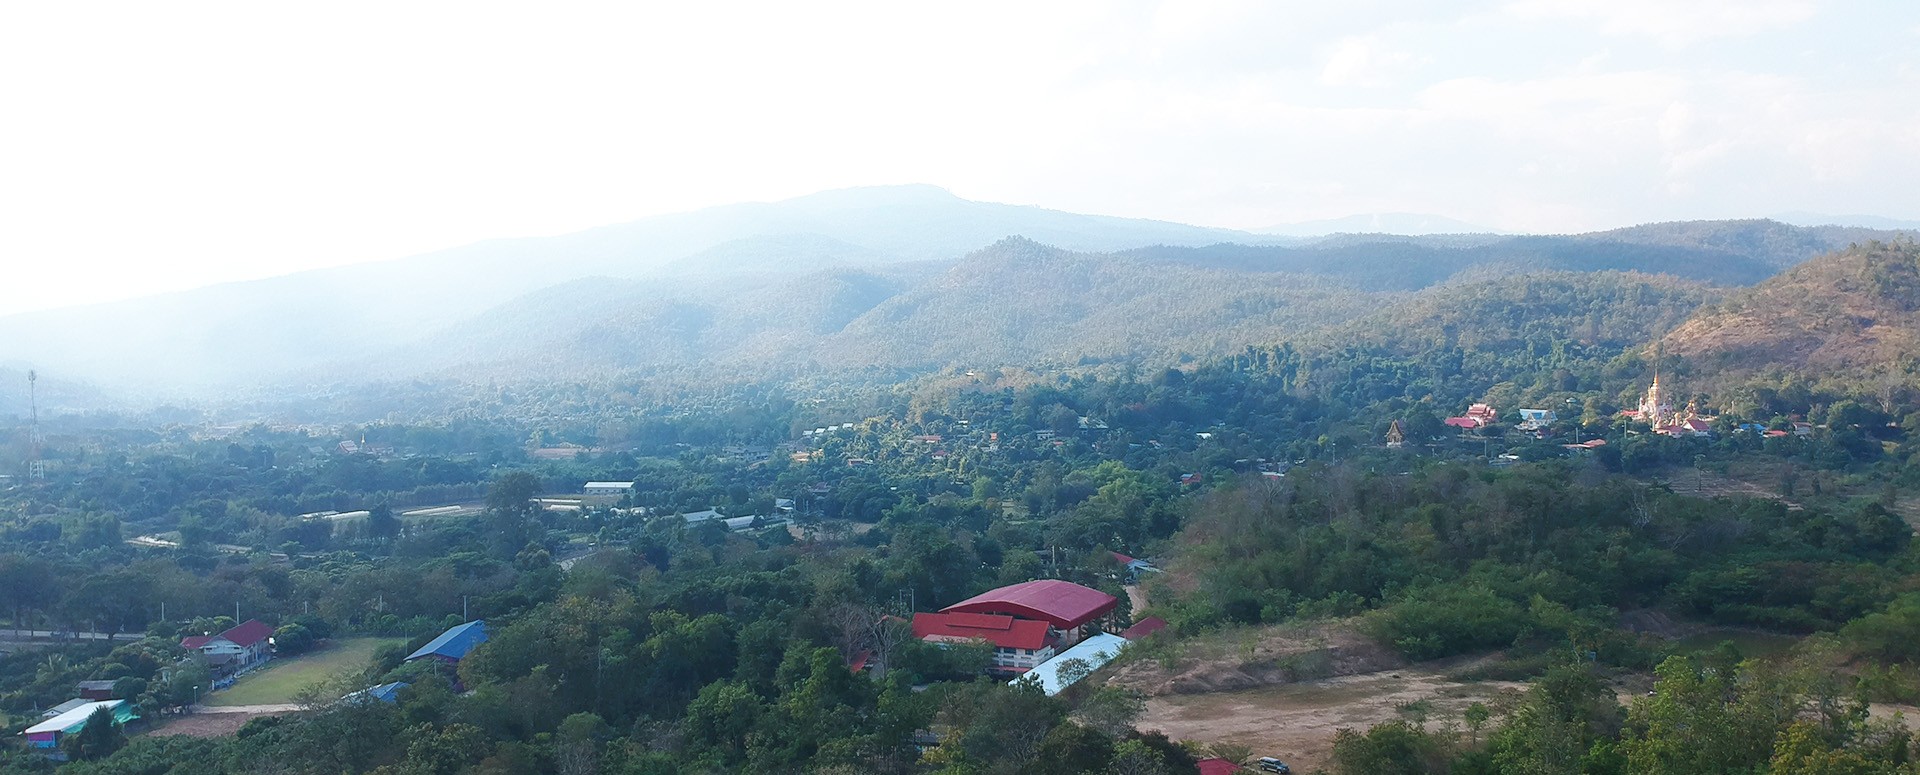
(1312, 479)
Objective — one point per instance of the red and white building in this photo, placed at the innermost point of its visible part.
(1026, 623)
(244, 644)
(1477, 416)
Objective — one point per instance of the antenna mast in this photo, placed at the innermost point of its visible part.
(36, 468)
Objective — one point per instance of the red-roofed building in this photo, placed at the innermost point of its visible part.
(244, 644)
(1063, 604)
(249, 633)
(1477, 416)
(1144, 627)
(1018, 644)
(1217, 766)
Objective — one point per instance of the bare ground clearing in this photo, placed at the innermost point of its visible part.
(1249, 658)
(1297, 722)
(206, 724)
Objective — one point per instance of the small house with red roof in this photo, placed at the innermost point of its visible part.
(1144, 627)
(1217, 766)
(1693, 427)
(244, 644)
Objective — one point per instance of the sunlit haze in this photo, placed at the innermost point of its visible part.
(158, 146)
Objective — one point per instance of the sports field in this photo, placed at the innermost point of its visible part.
(283, 678)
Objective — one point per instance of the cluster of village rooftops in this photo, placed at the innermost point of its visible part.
(1035, 628)
(229, 654)
(1656, 410)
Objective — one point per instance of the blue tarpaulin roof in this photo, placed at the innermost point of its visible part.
(455, 642)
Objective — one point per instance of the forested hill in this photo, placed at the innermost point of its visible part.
(1848, 322)
(882, 278)
(1023, 303)
(1718, 252)
(1532, 313)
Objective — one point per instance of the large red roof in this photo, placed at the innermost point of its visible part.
(248, 633)
(194, 642)
(1002, 631)
(1063, 604)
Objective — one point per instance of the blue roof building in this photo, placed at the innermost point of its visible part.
(387, 693)
(454, 644)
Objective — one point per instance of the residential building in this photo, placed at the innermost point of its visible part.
(1144, 627)
(1217, 766)
(243, 645)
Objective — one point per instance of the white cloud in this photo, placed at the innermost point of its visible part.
(162, 146)
(1364, 61)
(1675, 23)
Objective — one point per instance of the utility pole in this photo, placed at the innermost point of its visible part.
(36, 468)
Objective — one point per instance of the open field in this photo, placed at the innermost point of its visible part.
(1296, 722)
(204, 724)
(281, 679)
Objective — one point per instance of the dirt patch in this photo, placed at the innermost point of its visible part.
(1296, 723)
(1741, 483)
(1250, 658)
(205, 724)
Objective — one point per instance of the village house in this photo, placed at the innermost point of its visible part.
(1537, 419)
(239, 647)
(94, 690)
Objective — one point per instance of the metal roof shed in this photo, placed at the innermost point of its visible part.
(1096, 651)
(455, 643)
(1063, 604)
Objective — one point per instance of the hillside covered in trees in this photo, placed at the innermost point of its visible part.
(1849, 321)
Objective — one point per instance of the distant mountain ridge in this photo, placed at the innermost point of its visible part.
(1802, 218)
(236, 333)
(894, 277)
(1408, 224)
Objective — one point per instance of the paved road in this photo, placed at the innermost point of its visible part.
(280, 708)
(9, 634)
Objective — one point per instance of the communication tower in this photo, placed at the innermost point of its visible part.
(36, 468)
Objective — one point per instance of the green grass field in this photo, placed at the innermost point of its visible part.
(281, 679)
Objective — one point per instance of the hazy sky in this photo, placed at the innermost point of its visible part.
(149, 146)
